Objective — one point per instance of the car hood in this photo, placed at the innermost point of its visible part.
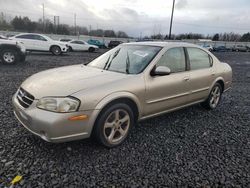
(7, 41)
(67, 80)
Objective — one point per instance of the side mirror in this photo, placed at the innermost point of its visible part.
(160, 71)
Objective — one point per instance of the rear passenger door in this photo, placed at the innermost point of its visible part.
(201, 73)
(40, 43)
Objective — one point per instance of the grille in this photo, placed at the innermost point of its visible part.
(24, 98)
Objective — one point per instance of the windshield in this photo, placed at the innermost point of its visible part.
(129, 59)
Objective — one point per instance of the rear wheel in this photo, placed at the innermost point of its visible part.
(214, 97)
(91, 49)
(56, 50)
(114, 124)
(9, 56)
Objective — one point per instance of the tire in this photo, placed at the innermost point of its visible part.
(9, 56)
(91, 49)
(213, 98)
(56, 50)
(113, 125)
(71, 49)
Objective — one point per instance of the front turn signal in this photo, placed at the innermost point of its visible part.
(79, 117)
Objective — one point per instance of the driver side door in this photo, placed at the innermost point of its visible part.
(171, 91)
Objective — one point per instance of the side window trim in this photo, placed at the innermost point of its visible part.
(189, 64)
(186, 65)
(187, 59)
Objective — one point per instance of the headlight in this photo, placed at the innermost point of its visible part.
(57, 104)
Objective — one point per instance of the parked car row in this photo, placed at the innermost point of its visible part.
(236, 48)
(99, 44)
(14, 48)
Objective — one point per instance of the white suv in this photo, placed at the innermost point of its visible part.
(38, 42)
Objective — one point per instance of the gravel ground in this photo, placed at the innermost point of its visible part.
(188, 148)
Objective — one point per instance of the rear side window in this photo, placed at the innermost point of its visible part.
(174, 59)
(199, 59)
(25, 36)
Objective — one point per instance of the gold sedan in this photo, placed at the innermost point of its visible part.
(131, 82)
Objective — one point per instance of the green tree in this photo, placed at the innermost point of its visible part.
(122, 34)
(245, 37)
(216, 37)
(109, 33)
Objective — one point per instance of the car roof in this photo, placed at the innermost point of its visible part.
(163, 44)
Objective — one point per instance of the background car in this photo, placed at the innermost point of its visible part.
(114, 43)
(240, 48)
(11, 52)
(97, 43)
(209, 47)
(2, 37)
(80, 45)
(42, 43)
(221, 49)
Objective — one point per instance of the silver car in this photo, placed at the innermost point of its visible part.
(108, 96)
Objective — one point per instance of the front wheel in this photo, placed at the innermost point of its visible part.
(213, 98)
(114, 124)
(56, 50)
(9, 56)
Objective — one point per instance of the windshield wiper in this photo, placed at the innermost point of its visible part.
(106, 63)
(109, 62)
(127, 64)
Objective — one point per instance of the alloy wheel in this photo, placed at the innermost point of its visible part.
(215, 96)
(116, 126)
(9, 57)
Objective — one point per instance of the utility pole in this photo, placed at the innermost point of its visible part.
(43, 19)
(75, 22)
(171, 22)
(56, 23)
(89, 29)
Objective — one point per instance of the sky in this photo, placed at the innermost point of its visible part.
(140, 17)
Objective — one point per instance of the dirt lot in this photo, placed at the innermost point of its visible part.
(191, 147)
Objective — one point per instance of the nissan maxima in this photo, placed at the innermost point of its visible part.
(129, 83)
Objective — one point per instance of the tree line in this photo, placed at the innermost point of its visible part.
(234, 37)
(24, 24)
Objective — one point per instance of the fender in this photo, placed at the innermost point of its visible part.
(216, 80)
(117, 95)
(9, 46)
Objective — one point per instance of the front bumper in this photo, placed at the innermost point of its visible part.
(54, 127)
(64, 49)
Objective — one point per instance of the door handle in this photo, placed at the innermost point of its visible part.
(186, 78)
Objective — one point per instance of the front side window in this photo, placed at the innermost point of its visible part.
(128, 59)
(39, 37)
(198, 58)
(174, 59)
